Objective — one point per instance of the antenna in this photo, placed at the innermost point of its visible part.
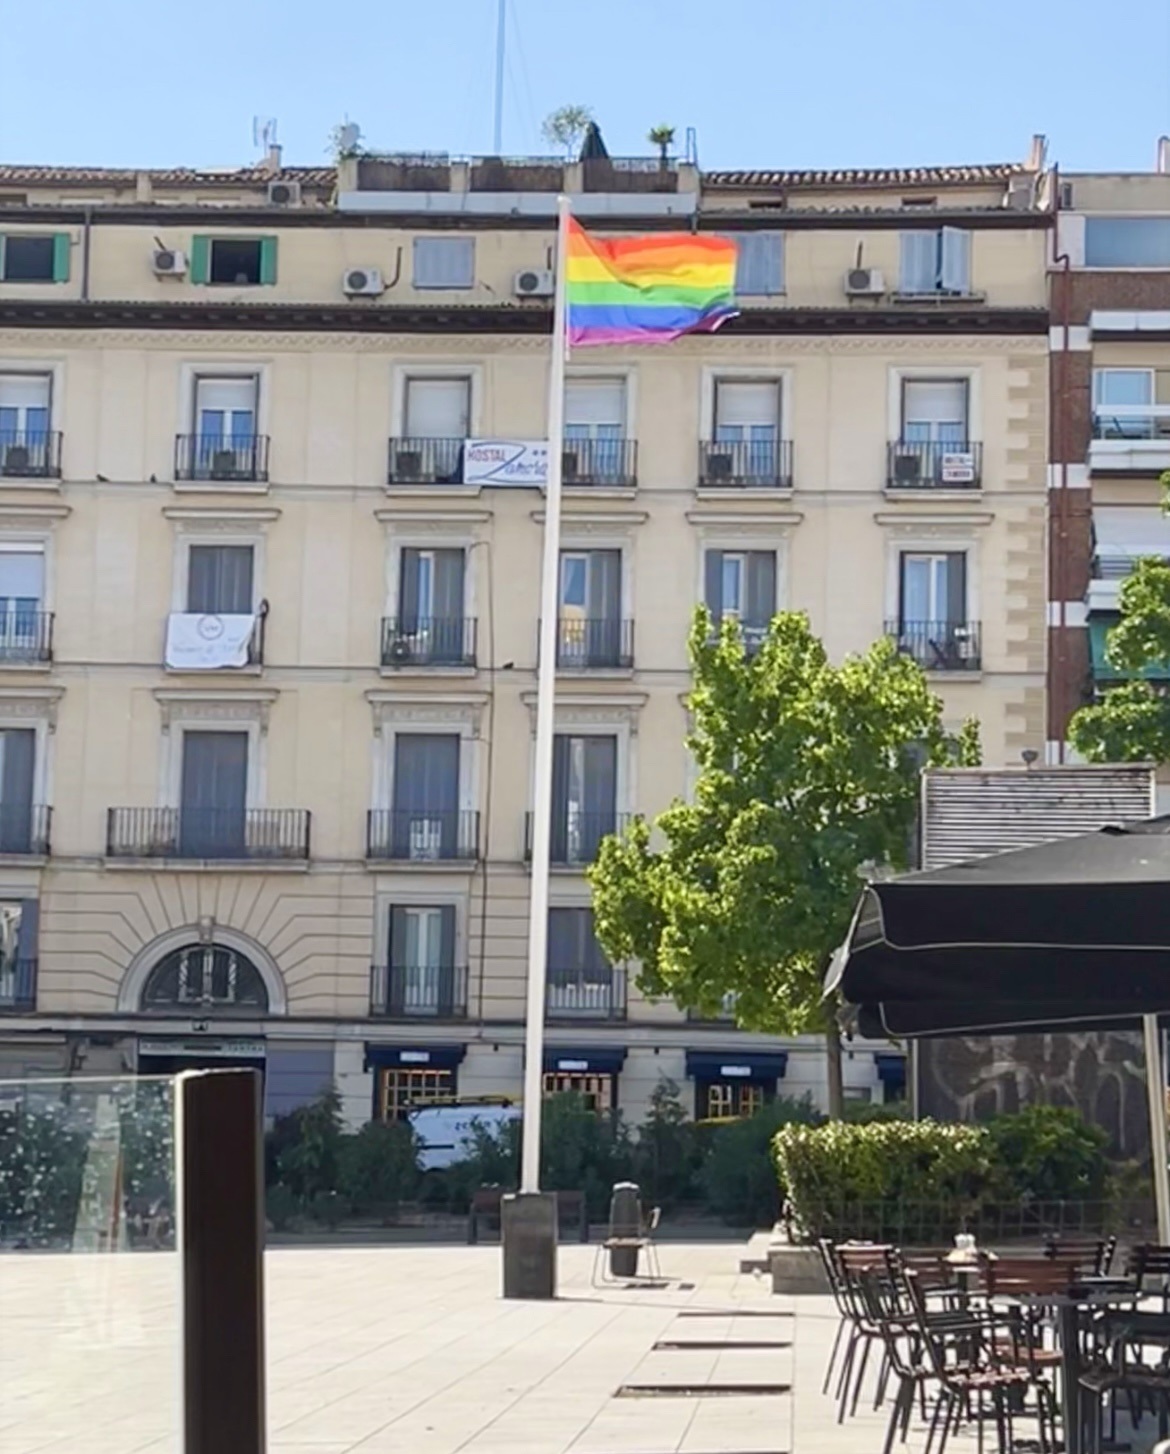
(501, 42)
(263, 132)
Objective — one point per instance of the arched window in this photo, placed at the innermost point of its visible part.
(207, 978)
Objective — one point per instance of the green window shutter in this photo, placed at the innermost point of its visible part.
(62, 248)
(268, 259)
(200, 259)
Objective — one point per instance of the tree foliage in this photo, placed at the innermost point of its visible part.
(807, 772)
(566, 126)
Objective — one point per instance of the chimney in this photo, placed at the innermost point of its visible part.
(272, 160)
(1163, 164)
(1038, 152)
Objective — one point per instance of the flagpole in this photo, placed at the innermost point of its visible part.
(545, 705)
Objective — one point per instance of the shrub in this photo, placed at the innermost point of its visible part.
(378, 1167)
(282, 1206)
(1049, 1153)
(583, 1151)
(669, 1153)
(310, 1142)
(737, 1176)
(328, 1208)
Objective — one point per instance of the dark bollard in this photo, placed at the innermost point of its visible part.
(625, 1222)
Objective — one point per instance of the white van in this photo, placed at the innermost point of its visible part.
(445, 1132)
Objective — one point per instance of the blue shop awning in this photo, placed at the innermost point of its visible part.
(891, 1068)
(737, 1064)
(415, 1057)
(585, 1060)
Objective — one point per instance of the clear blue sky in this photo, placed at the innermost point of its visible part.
(782, 83)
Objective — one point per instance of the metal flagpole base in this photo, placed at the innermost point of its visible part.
(528, 1233)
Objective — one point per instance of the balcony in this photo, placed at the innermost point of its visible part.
(1131, 439)
(919, 465)
(576, 837)
(405, 172)
(30, 454)
(591, 643)
(428, 641)
(259, 834)
(26, 637)
(585, 994)
(418, 992)
(950, 646)
(235, 461)
(24, 830)
(426, 462)
(611, 463)
(18, 984)
(423, 835)
(745, 464)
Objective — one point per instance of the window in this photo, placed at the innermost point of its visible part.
(598, 1091)
(213, 795)
(759, 271)
(400, 1091)
(31, 259)
(425, 818)
(932, 610)
(220, 580)
(581, 982)
(18, 751)
(444, 262)
(438, 408)
(938, 261)
(584, 795)
(934, 411)
(723, 1098)
(233, 261)
(205, 979)
(25, 440)
(742, 584)
(595, 429)
(1125, 403)
(225, 427)
(19, 920)
(747, 431)
(589, 628)
(422, 961)
(431, 626)
(24, 632)
(1127, 242)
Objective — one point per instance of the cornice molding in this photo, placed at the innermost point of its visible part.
(35, 703)
(177, 704)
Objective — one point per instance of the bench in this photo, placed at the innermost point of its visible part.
(487, 1200)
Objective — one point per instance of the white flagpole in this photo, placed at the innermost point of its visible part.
(545, 702)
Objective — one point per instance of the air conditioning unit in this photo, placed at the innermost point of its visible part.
(864, 283)
(223, 465)
(1020, 192)
(720, 466)
(284, 194)
(16, 460)
(570, 466)
(907, 469)
(169, 262)
(362, 282)
(401, 651)
(406, 465)
(534, 283)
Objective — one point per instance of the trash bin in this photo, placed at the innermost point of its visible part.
(625, 1222)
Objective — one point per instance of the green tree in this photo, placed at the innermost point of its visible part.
(566, 126)
(1131, 721)
(662, 137)
(310, 1162)
(807, 771)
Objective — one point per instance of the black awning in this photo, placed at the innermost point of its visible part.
(737, 1064)
(585, 1060)
(415, 1057)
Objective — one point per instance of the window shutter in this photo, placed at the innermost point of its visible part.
(398, 922)
(448, 589)
(759, 268)
(955, 270)
(919, 262)
(761, 587)
(200, 260)
(447, 936)
(956, 587)
(444, 262)
(62, 248)
(408, 591)
(268, 260)
(29, 932)
(713, 570)
(560, 796)
(595, 401)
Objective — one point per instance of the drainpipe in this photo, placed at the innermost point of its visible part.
(85, 241)
(1059, 574)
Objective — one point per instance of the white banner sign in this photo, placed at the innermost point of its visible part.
(958, 469)
(505, 462)
(205, 643)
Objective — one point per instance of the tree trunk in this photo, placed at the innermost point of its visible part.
(836, 1084)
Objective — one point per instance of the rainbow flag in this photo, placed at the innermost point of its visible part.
(647, 289)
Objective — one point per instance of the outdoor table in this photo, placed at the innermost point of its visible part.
(1067, 1308)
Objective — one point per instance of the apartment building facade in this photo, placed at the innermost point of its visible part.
(1110, 416)
(268, 650)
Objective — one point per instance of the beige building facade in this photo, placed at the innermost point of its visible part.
(268, 658)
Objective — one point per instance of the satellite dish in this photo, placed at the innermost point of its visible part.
(349, 136)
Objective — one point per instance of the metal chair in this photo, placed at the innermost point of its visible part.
(643, 1241)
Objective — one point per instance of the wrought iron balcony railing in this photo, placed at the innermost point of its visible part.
(428, 641)
(580, 994)
(426, 462)
(600, 462)
(24, 829)
(934, 465)
(423, 835)
(26, 635)
(593, 643)
(939, 645)
(30, 454)
(745, 464)
(239, 459)
(576, 837)
(232, 833)
(18, 984)
(418, 992)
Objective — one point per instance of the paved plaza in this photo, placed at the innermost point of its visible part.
(411, 1351)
